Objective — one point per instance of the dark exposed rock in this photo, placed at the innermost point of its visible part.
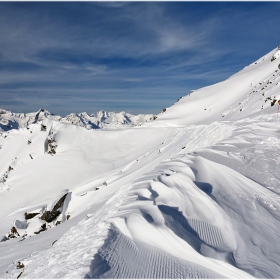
(20, 265)
(43, 228)
(14, 233)
(20, 274)
(49, 216)
(59, 203)
(52, 152)
(68, 217)
(268, 98)
(43, 127)
(30, 215)
(10, 168)
(50, 144)
(273, 102)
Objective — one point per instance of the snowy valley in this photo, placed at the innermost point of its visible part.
(193, 192)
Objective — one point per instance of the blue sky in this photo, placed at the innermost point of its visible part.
(137, 57)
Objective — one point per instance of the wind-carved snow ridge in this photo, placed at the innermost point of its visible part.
(219, 213)
(84, 240)
(192, 194)
(154, 262)
(237, 236)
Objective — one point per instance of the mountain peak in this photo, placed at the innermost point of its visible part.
(101, 119)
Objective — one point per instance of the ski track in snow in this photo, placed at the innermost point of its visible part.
(78, 249)
(81, 242)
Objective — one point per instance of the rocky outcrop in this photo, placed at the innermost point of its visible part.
(30, 215)
(45, 219)
(50, 143)
(13, 233)
(49, 216)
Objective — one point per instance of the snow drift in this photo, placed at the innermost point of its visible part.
(193, 193)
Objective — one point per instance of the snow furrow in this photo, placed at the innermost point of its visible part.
(154, 263)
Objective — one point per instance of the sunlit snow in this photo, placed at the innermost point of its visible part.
(191, 193)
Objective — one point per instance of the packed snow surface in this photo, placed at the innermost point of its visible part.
(193, 193)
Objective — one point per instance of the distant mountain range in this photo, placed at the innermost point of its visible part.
(101, 119)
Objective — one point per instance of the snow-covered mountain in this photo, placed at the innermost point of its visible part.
(102, 119)
(192, 194)
(252, 91)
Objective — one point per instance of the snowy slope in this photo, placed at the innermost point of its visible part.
(188, 195)
(102, 119)
(252, 91)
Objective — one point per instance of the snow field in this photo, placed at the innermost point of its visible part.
(116, 181)
(193, 194)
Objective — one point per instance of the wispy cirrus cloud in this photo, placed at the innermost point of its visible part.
(114, 52)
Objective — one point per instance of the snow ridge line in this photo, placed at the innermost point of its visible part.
(81, 242)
